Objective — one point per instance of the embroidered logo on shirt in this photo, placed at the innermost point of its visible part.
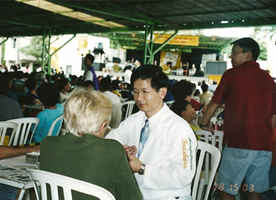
(184, 152)
(187, 153)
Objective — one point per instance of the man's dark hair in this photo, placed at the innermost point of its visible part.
(19, 75)
(48, 94)
(5, 81)
(155, 74)
(88, 83)
(179, 105)
(61, 83)
(114, 84)
(105, 83)
(31, 83)
(249, 45)
(127, 67)
(182, 89)
(204, 87)
(90, 57)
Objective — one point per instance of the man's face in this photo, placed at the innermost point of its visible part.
(68, 87)
(189, 114)
(148, 99)
(238, 57)
(87, 63)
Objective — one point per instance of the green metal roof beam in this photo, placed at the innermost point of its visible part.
(166, 42)
(4, 41)
(63, 44)
(221, 12)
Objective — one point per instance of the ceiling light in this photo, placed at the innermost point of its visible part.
(68, 12)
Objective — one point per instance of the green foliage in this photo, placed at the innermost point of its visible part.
(262, 36)
(34, 49)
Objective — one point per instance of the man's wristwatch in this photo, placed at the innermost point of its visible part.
(142, 169)
(202, 125)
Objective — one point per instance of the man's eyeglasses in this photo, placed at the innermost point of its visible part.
(144, 93)
(237, 52)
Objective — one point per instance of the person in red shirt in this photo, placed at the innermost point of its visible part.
(185, 90)
(249, 94)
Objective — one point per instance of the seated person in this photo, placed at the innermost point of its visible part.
(32, 97)
(9, 108)
(185, 90)
(49, 95)
(114, 88)
(9, 152)
(88, 85)
(83, 153)
(206, 96)
(105, 85)
(63, 87)
(184, 109)
(6, 191)
(18, 85)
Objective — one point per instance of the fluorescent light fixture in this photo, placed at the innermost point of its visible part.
(224, 22)
(68, 12)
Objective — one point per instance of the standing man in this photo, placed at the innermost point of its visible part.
(164, 165)
(249, 94)
(89, 74)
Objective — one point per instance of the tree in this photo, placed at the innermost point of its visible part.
(34, 49)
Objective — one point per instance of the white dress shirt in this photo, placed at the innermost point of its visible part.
(169, 154)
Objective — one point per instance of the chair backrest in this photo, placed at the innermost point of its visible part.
(130, 105)
(215, 139)
(4, 127)
(219, 139)
(205, 136)
(205, 149)
(67, 184)
(116, 116)
(24, 126)
(60, 120)
(169, 103)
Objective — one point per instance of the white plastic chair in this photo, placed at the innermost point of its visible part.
(59, 119)
(130, 105)
(205, 149)
(116, 116)
(215, 140)
(67, 184)
(24, 126)
(218, 139)
(4, 127)
(169, 103)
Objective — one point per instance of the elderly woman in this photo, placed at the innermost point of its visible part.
(83, 153)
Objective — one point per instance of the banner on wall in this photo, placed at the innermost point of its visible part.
(170, 61)
(177, 40)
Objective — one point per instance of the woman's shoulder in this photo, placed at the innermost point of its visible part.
(113, 144)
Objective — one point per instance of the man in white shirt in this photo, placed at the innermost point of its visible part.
(166, 164)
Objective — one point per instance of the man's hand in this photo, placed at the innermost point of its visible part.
(135, 164)
(208, 128)
(132, 150)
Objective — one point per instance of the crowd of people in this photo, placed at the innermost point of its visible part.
(152, 154)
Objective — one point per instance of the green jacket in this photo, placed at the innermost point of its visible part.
(99, 161)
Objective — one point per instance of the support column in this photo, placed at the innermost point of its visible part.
(46, 57)
(148, 49)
